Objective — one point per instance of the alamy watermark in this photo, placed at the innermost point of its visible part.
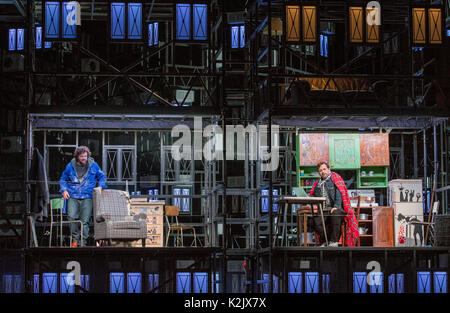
(373, 17)
(212, 149)
(74, 15)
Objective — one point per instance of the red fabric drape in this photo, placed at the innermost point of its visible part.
(351, 224)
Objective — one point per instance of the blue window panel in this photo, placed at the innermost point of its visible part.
(68, 31)
(200, 21)
(155, 34)
(324, 46)
(8, 283)
(116, 282)
(150, 36)
(200, 282)
(186, 207)
(38, 37)
(49, 282)
(47, 44)
(241, 36)
(423, 282)
(448, 32)
(359, 282)
(325, 283)
(155, 192)
(84, 281)
(266, 284)
(134, 283)
(274, 198)
(183, 20)
(117, 20)
(295, 282)
(20, 38)
(52, 12)
(400, 283)
(153, 282)
(64, 285)
(18, 283)
(36, 283)
(392, 283)
(312, 282)
(12, 39)
(215, 282)
(265, 200)
(234, 37)
(177, 201)
(440, 282)
(183, 282)
(135, 21)
(376, 279)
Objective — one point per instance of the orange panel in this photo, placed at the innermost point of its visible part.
(435, 25)
(313, 149)
(356, 24)
(374, 149)
(418, 21)
(293, 23)
(309, 17)
(372, 31)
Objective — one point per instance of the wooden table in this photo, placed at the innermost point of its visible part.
(319, 201)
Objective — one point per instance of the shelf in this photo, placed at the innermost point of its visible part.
(309, 176)
(365, 221)
(365, 236)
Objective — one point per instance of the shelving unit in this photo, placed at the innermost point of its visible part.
(379, 179)
(306, 181)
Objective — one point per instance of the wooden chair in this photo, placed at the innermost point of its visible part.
(174, 211)
(302, 213)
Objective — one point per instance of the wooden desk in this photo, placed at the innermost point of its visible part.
(319, 201)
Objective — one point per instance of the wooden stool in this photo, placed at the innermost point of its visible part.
(302, 213)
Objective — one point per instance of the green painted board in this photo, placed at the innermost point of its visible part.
(344, 151)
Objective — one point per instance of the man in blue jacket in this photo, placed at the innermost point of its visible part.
(77, 185)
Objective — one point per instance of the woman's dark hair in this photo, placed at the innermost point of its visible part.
(322, 163)
(80, 150)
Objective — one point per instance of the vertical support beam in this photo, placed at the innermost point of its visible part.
(435, 159)
(416, 168)
(425, 168)
(402, 157)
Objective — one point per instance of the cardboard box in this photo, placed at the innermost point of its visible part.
(407, 234)
(405, 191)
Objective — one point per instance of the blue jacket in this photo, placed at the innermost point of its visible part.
(82, 188)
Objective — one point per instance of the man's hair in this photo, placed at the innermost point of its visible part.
(322, 163)
(80, 150)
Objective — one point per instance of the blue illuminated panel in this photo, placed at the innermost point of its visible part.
(266, 284)
(117, 20)
(265, 200)
(155, 33)
(52, 12)
(153, 282)
(12, 39)
(36, 283)
(242, 36)
(423, 282)
(135, 21)
(68, 31)
(200, 282)
(84, 282)
(324, 46)
(234, 37)
(359, 282)
(150, 34)
(200, 21)
(134, 283)
(312, 282)
(116, 282)
(183, 282)
(186, 207)
(294, 282)
(177, 201)
(325, 283)
(20, 38)
(183, 20)
(376, 285)
(67, 283)
(47, 44)
(153, 38)
(49, 282)
(38, 37)
(440, 282)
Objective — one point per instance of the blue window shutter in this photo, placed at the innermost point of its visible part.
(134, 283)
(183, 21)
(423, 282)
(150, 34)
(440, 282)
(68, 31)
(325, 283)
(183, 282)
(52, 12)
(200, 282)
(117, 20)
(186, 207)
(47, 44)
(49, 282)
(177, 201)
(242, 36)
(377, 282)
(12, 39)
(359, 282)
(20, 38)
(116, 282)
(295, 282)
(84, 281)
(38, 37)
(64, 285)
(134, 20)
(312, 282)
(200, 22)
(274, 198)
(235, 40)
(156, 33)
(264, 192)
(153, 282)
